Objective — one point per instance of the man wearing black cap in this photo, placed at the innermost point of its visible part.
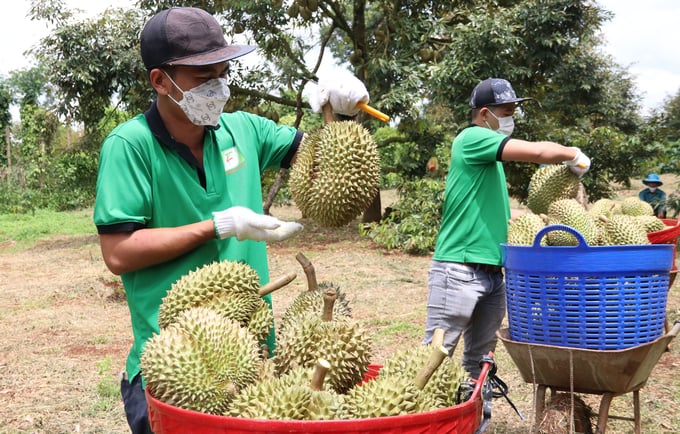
(466, 292)
(179, 186)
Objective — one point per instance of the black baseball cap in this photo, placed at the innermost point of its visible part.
(494, 91)
(186, 36)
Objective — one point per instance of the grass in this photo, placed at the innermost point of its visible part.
(22, 231)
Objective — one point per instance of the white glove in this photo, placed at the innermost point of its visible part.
(580, 164)
(244, 224)
(342, 90)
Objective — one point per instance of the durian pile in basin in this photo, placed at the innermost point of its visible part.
(584, 276)
(552, 199)
(207, 357)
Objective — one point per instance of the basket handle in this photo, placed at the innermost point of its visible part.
(582, 243)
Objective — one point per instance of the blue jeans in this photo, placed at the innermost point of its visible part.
(468, 301)
(134, 402)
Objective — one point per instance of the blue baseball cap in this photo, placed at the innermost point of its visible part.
(494, 91)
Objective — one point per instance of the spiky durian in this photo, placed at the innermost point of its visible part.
(383, 396)
(623, 229)
(571, 213)
(293, 395)
(336, 174)
(403, 388)
(442, 389)
(274, 400)
(200, 361)
(522, 230)
(651, 223)
(550, 183)
(604, 206)
(635, 206)
(207, 284)
(312, 302)
(344, 343)
(261, 321)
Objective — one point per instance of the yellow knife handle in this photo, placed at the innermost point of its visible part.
(373, 112)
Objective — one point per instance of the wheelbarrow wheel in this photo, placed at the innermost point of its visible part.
(555, 416)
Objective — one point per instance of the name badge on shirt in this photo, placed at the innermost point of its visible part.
(232, 160)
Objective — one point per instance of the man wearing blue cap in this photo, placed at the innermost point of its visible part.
(179, 186)
(653, 195)
(466, 291)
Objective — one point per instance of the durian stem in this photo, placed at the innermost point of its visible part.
(438, 355)
(308, 268)
(322, 367)
(329, 298)
(438, 338)
(277, 284)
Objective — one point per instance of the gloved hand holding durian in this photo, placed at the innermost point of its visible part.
(245, 224)
(342, 90)
(580, 164)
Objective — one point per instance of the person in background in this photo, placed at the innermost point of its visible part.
(653, 195)
(179, 186)
(466, 290)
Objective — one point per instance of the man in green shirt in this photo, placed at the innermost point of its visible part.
(466, 291)
(179, 186)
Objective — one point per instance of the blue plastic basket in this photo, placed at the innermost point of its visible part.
(600, 297)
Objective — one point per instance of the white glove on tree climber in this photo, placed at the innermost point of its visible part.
(245, 224)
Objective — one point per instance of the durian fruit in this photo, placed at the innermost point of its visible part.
(442, 388)
(311, 301)
(651, 223)
(200, 361)
(383, 396)
(571, 213)
(522, 230)
(206, 285)
(343, 342)
(396, 392)
(296, 395)
(336, 174)
(261, 320)
(635, 206)
(550, 183)
(604, 206)
(231, 288)
(622, 229)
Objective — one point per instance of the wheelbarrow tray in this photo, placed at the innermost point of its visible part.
(593, 371)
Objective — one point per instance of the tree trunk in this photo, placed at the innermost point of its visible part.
(273, 190)
(9, 149)
(374, 211)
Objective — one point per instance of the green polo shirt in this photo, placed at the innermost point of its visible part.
(476, 206)
(145, 182)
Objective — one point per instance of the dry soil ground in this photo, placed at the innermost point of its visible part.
(65, 331)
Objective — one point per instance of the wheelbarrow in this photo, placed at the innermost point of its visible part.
(608, 373)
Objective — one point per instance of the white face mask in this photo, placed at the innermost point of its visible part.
(204, 103)
(652, 189)
(506, 124)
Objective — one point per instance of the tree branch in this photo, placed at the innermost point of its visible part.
(334, 11)
(236, 90)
